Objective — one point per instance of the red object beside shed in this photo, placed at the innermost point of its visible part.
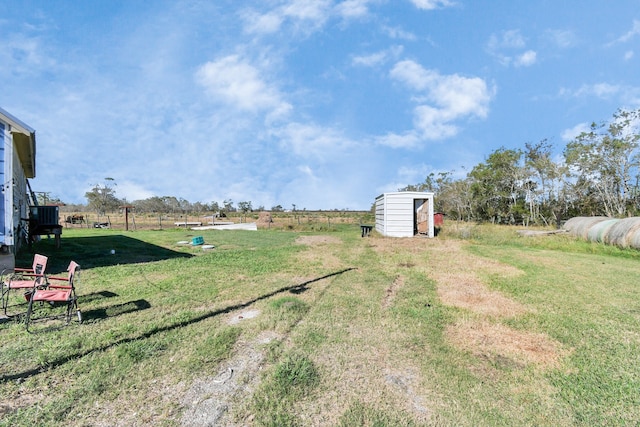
(438, 219)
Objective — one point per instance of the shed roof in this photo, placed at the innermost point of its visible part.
(412, 194)
(24, 138)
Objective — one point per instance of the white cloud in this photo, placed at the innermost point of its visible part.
(303, 15)
(635, 31)
(527, 59)
(132, 191)
(561, 38)
(628, 55)
(414, 75)
(509, 39)
(507, 47)
(406, 175)
(571, 133)
(627, 96)
(393, 140)
(311, 141)
(370, 60)
(432, 4)
(353, 8)
(23, 54)
(307, 10)
(255, 23)
(451, 97)
(398, 33)
(600, 90)
(240, 85)
(413, 174)
(378, 58)
(434, 123)
(459, 95)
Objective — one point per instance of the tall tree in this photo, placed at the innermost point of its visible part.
(102, 198)
(547, 182)
(605, 161)
(245, 207)
(228, 206)
(455, 198)
(497, 187)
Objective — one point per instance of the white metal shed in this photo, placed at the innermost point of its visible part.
(404, 214)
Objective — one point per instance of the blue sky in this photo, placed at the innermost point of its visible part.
(324, 104)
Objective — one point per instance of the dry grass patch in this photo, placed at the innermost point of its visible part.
(317, 253)
(458, 274)
(369, 374)
(22, 399)
(459, 278)
(467, 292)
(501, 343)
(122, 413)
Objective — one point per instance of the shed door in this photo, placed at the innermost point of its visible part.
(422, 216)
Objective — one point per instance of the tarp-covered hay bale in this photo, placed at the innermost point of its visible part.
(579, 226)
(599, 230)
(621, 233)
(624, 233)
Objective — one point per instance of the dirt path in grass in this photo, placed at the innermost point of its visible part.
(209, 400)
(376, 371)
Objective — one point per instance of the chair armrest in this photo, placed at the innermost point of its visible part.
(59, 287)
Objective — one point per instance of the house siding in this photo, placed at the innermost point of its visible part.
(20, 201)
(3, 174)
(17, 163)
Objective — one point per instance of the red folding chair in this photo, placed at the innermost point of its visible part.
(60, 291)
(25, 279)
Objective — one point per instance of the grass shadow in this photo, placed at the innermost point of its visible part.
(95, 251)
(115, 310)
(301, 287)
(95, 314)
(93, 296)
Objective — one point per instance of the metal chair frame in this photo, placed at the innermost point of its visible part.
(56, 293)
(24, 279)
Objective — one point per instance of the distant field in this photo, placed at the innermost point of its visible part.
(280, 327)
(279, 220)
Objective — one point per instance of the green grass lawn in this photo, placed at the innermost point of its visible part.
(477, 327)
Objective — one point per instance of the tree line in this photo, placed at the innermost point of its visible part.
(598, 173)
(102, 199)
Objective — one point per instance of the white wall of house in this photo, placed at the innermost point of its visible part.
(20, 199)
(4, 142)
(17, 158)
(398, 214)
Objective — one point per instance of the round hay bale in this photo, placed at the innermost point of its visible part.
(621, 232)
(580, 225)
(599, 230)
(634, 238)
